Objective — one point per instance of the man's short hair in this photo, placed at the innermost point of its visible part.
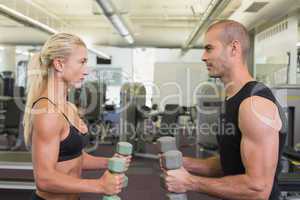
(232, 30)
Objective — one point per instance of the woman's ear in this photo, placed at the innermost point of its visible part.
(58, 64)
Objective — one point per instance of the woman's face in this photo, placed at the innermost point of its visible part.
(75, 67)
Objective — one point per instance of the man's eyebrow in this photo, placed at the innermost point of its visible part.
(207, 46)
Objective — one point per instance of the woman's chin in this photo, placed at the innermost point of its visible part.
(77, 84)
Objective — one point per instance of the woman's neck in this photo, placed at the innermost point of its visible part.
(56, 90)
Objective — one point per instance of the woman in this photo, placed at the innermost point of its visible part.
(53, 127)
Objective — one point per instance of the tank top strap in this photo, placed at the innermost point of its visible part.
(53, 104)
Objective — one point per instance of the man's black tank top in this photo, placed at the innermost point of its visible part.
(230, 139)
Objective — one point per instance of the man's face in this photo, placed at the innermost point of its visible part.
(214, 55)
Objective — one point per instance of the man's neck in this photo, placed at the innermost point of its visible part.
(235, 80)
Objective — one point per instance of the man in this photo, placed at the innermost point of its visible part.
(247, 167)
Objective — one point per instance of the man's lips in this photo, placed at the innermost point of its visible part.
(209, 67)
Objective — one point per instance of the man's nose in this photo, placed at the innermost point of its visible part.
(204, 57)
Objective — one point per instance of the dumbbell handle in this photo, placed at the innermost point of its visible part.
(124, 148)
(166, 143)
(116, 165)
(172, 160)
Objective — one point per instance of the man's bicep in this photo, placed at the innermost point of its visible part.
(259, 123)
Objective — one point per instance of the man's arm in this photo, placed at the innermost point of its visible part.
(259, 123)
(210, 167)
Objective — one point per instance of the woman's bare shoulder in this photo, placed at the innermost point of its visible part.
(46, 115)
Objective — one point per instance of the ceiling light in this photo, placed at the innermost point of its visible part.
(106, 6)
(116, 20)
(19, 17)
(23, 19)
(119, 25)
(129, 39)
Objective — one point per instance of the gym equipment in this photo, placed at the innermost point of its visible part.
(90, 99)
(173, 160)
(113, 197)
(10, 118)
(166, 143)
(133, 95)
(16, 171)
(133, 117)
(9, 82)
(176, 196)
(209, 110)
(124, 148)
(115, 165)
(125, 182)
(169, 120)
(288, 97)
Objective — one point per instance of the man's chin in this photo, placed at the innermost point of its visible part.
(214, 75)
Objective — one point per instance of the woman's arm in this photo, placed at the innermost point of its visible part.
(92, 162)
(45, 150)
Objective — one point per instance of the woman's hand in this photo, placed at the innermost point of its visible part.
(126, 158)
(111, 183)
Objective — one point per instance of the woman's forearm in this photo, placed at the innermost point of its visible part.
(93, 162)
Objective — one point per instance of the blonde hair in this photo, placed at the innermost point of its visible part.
(40, 65)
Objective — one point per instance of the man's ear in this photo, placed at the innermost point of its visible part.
(58, 64)
(235, 47)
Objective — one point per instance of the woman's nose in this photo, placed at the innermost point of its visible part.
(86, 71)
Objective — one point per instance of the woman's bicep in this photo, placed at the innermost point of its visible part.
(45, 142)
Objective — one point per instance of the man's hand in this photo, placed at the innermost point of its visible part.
(178, 180)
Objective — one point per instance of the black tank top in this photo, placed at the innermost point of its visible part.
(230, 139)
(71, 147)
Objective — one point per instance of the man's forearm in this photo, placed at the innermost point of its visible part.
(239, 187)
(210, 167)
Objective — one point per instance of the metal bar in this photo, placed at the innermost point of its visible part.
(16, 165)
(14, 185)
